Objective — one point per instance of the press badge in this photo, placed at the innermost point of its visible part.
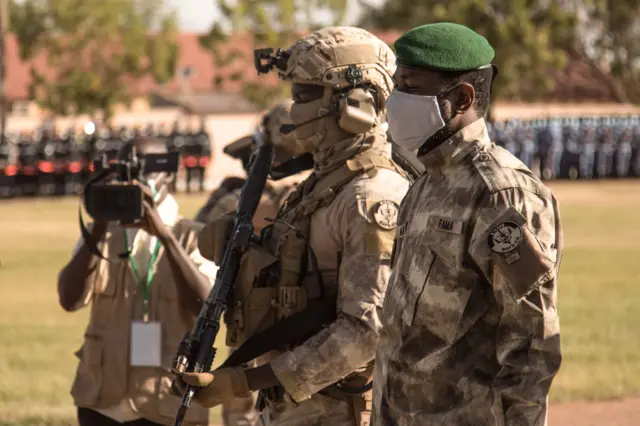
(146, 344)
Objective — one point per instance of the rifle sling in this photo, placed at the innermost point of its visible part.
(291, 330)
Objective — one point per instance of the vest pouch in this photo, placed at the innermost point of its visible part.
(290, 300)
(251, 315)
(213, 237)
(251, 303)
(105, 291)
(88, 381)
(291, 248)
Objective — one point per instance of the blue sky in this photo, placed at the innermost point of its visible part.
(197, 15)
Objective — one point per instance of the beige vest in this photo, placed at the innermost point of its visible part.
(104, 376)
(258, 300)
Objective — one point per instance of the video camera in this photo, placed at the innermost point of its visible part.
(120, 199)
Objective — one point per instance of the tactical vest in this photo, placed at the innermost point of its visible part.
(279, 278)
(280, 300)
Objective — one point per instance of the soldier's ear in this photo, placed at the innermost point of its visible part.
(466, 97)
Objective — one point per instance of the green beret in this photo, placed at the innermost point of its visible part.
(443, 46)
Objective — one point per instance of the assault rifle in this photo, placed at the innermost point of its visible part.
(196, 351)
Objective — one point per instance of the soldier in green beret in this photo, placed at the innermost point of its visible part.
(470, 328)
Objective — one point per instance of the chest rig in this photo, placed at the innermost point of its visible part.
(279, 286)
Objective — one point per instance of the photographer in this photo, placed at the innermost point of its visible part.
(141, 306)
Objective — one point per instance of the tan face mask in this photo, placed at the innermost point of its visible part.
(309, 134)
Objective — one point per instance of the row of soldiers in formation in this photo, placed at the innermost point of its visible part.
(574, 148)
(49, 162)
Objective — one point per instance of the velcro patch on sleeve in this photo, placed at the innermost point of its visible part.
(379, 242)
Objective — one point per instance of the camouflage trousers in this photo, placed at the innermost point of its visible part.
(317, 411)
(240, 412)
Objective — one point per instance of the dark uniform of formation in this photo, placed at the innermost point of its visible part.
(573, 148)
(48, 162)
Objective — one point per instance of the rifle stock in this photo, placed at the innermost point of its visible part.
(196, 352)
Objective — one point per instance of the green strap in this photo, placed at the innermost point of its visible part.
(145, 287)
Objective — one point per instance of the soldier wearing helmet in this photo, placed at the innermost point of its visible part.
(225, 198)
(307, 304)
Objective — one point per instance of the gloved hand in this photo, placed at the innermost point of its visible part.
(213, 237)
(215, 388)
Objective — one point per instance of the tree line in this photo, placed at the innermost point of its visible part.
(99, 49)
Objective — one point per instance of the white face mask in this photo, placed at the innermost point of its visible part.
(413, 119)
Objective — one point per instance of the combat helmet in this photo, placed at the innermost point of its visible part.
(273, 120)
(354, 67)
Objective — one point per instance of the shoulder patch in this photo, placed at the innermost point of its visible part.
(505, 237)
(385, 214)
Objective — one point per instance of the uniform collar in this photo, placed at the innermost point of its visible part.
(457, 147)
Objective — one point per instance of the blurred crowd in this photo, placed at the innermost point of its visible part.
(574, 148)
(49, 162)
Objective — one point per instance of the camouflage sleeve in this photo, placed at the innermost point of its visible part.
(348, 343)
(517, 243)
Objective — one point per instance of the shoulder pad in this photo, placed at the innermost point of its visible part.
(501, 170)
(378, 199)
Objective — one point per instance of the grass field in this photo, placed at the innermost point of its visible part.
(599, 300)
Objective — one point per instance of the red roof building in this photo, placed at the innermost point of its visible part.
(196, 72)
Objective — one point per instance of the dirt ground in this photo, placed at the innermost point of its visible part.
(615, 413)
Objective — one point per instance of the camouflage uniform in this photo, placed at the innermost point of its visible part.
(470, 329)
(347, 209)
(225, 199)
(242, 412)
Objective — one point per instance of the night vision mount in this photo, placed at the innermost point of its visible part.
(265, 59)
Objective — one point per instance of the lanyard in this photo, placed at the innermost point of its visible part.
(145, 286)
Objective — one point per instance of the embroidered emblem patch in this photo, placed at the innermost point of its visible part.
(385, 213)
(505, 237)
